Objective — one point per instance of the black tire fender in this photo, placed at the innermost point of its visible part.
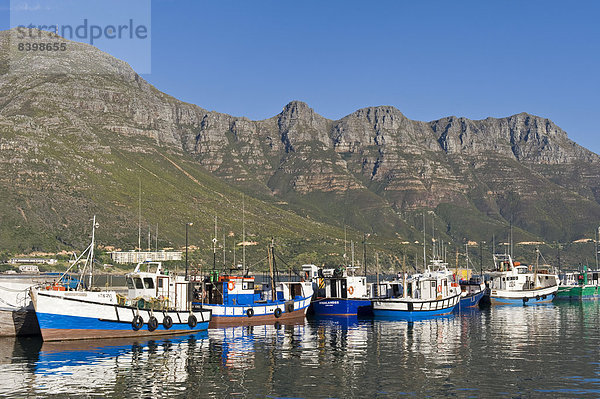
(192, 321)
(250, 312)
(167, 322)
(137, 322)
(277, 313)
(152, 323)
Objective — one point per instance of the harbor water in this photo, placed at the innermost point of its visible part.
(505, 351)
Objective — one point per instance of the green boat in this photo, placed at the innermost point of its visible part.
(578, 285)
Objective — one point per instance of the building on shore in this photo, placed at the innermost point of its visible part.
(141, 256)
(29, 269)
(32, 261)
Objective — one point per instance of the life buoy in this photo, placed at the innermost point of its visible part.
(439, 288)
(277, 313)
(230, 286)
(137, 322)
(152, 323)
(250, 312)
(306, 275)
(192, 321)
(350, 290)
(167, 322)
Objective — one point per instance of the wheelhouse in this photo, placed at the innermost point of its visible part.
(153, 284)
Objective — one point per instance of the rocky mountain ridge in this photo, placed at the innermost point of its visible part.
(374, 169)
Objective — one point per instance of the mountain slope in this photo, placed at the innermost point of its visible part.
(80, 129)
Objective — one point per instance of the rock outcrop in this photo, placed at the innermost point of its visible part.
(86, 101)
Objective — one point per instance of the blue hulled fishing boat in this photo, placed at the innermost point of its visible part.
(420, 296)
(239, 300)
(337, 293)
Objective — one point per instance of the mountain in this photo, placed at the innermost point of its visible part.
(80, 130)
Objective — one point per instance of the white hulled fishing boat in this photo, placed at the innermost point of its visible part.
(513, 283)
(156, 303)
(419, 296)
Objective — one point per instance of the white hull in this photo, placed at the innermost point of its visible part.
(510, 296)
(67, 315)
(415, 305)
(259, 309)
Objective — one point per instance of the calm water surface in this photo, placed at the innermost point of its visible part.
(536, 351)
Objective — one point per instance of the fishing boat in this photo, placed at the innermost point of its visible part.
(157, 303)
(472, 291)
(17, 314)
(420, 296)
(472, 287)
(239, 300)
(577, 285)
(338, 293)
(513, 283)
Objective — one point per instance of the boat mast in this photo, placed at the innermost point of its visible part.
(91, 254)
(377, 271)
(345, 247)
(456, 272)
(511, 238)
(433, 246)
(214, 240)
(404, 276)
(424, 253)
(243, 235)
(597, 233)
(537, 258)
(365, 253)
(139, 215)
(271, 256)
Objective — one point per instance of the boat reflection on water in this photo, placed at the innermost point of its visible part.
(68, 367)
(459, 355)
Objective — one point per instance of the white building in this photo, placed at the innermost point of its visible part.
(35, 261)
(136, 257)
(29, 269)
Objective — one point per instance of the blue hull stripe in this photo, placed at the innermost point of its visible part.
(334, 307)
(252, 306)
(63, 322)
(405, 315)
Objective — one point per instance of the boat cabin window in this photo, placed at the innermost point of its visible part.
(148, 282)
(159, 282)
(248, 285)
(522, 270)
(129, 282)
(138, 283)
(433, 284)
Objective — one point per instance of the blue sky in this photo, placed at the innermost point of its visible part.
(429, 59)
